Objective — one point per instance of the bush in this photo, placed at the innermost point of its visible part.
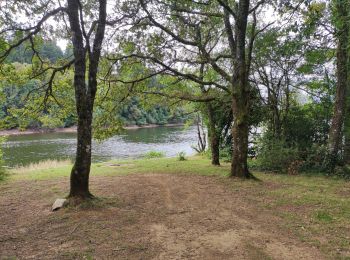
(274, 155)
(342, 171)
(226, 154)
(181, 156)
(314, 158)
(154, 154)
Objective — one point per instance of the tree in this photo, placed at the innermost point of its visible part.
(46, 49)
(341, 23)
(192, 34)
(84, 91)
(87, 47)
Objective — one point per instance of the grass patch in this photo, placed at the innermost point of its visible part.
(316, 208)
(154, 154)
(43, 165)
(51, 170)
(323, 216)
(4, 174)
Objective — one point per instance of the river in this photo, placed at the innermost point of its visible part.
(133, 143)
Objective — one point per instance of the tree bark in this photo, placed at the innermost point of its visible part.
(240, 97)
(335, 132)
(346, 156)
(240, 133)
(214, 137)
(79, 180)
(346, 150)
(213, 134)
(84, 95)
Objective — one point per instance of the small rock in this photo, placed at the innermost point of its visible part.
(59, 203)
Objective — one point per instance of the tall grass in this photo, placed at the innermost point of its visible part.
(42, 165)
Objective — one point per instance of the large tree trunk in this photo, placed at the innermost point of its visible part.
(240, 97)
(335, 133)
(240, 132)
(346, 155)
(84, 95)
(346, 150)
(215, 150)
(214, 136)
(79, 180)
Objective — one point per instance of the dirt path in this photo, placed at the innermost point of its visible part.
(143, 217)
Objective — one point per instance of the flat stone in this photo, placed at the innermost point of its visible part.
(59, 203)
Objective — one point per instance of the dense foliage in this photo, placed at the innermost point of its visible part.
(47, 50)
(23, 106)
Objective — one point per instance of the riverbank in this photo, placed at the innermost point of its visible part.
(14, 132)
(169, 209)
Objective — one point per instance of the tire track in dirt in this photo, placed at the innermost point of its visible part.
(164, 188)
(180, 238)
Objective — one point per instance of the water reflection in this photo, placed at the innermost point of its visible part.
(22, 150)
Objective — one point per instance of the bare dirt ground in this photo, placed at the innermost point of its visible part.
(143, 217)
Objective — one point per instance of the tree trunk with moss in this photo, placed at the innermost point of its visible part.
(240, 132)
(346, 150)
(336, 129)
(214, 136)
(240, 97)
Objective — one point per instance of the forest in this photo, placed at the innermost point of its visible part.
(264, 83)
(15, 94)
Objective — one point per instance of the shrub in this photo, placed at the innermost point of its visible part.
(342, 171)
(274, 155)
(226, 154)
(314, 158)
(154, 154)
(181, 156)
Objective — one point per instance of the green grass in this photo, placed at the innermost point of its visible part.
(154, 154)
(323, 216)
(315, 208)
(194, 164)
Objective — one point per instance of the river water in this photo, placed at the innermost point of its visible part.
(134, 143)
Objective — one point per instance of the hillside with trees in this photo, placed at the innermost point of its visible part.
(17, 89)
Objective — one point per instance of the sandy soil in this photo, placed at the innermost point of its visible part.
(143, 217)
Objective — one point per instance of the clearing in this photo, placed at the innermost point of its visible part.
(167, 209)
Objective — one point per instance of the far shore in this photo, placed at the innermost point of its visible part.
(72, 129)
